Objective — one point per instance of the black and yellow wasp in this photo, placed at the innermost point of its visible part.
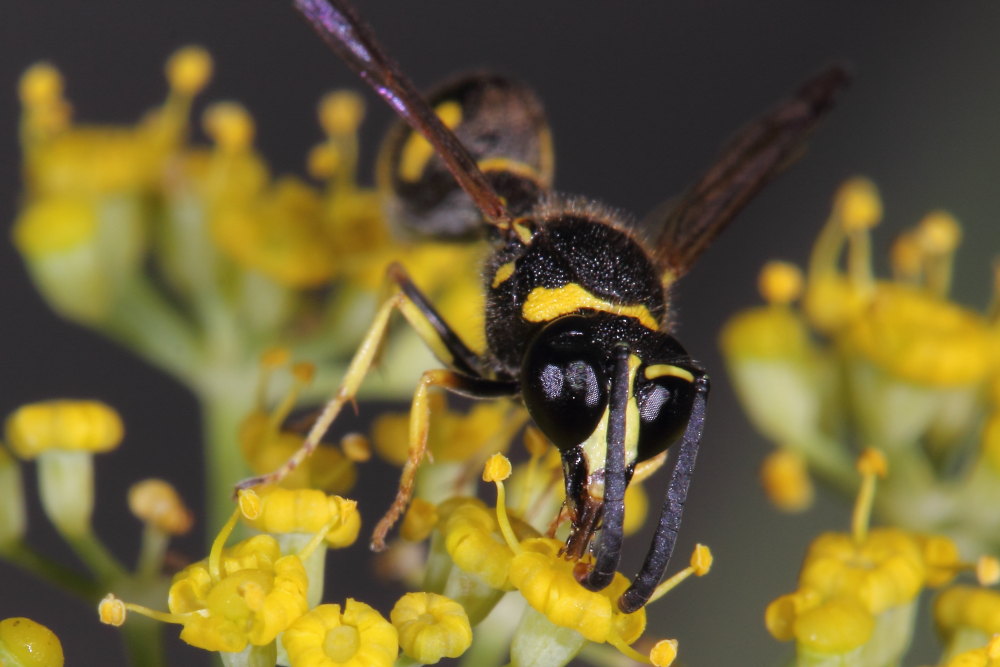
(577, 308)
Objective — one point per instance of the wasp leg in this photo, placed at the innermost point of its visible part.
(428, 324)
(609, 547)
(420, 413)
(440, 337)
(662, 546)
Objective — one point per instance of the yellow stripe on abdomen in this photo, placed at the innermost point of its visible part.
(547, 303)
(417, 151)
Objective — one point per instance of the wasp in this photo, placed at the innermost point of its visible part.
(578, 324)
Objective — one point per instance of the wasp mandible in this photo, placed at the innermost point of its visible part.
(577, 319)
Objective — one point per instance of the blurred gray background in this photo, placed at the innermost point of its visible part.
(640, 97)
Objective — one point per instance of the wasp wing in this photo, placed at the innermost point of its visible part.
(752, 158)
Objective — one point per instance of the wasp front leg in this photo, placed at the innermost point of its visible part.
(420, 415)
(662, 546)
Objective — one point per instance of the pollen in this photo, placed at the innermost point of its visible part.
(229, 125)
(41, 84)
(341, 112)
(780, 282)
(785, 478)
(497, 469)
(157, 503)
(664, 653)
(112, 611)
(189, 70)
(857, 204)
(939, 233)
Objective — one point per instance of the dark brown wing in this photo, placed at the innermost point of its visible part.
(752, 158)
(350, 38)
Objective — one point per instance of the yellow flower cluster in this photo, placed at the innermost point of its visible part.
(858, 591)
(865, 361)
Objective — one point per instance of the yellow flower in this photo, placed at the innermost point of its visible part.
(987, 656)
(308, 511)
(968, 607)
(25, 643)
(453, 436)
(851, 583)
(358, 636)
(84, 426)
(473, 540)
(917, 337)
(249, 596)
(64, 435)
(431, 627)
(266, 446)
(547, 582)
(279, 234)
(240, 596)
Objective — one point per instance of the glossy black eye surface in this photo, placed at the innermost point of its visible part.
(664, 408)
(563, 381)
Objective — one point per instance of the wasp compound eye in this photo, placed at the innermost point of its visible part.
(564, 383)
(664, 407)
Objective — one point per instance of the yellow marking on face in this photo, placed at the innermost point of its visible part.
(667, 370)
(508, 165)
(503, 273)
(417, 151)
(545, 304)
(595, 447)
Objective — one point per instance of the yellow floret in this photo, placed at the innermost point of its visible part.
(326, 637)
(431, 627)
(89, 426)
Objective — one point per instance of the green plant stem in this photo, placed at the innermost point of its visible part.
(224, 463)
(49, 570)
(143, 641)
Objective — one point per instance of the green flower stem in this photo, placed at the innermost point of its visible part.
(222, 413)
(95, 556)
(251, 656)
(829, 460)
(538, 642)
(492, 637)
(151, 552)
(48, 570)
(145, 323)
(143, 641)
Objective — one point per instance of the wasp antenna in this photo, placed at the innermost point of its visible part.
(351, 39)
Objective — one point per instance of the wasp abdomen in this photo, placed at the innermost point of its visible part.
(502, 124)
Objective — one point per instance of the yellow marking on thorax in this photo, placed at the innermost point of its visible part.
(668, 370)
(417, 151)
(503, 273)
(545, 304)
(524, 232)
